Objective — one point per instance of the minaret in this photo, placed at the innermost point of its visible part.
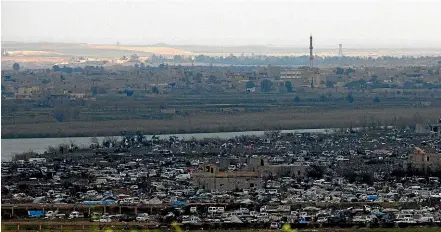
(311, 57)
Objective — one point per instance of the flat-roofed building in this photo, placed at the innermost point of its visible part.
(209, 177)
(426, 161)
(291, 74)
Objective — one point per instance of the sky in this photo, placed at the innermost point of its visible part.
(355, 23)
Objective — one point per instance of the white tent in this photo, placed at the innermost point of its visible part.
(247, 201)
(154, 201)
(235, 219)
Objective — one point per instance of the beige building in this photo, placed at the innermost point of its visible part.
(27, 92)
(425, 161)
(434, 128)
(77, 95)
(268, 72)
(291, 74)
(262, 166)
(209, 177)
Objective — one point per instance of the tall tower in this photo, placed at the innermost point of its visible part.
(340, 50)
(311, 57)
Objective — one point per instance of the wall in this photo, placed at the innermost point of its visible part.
(227, 183)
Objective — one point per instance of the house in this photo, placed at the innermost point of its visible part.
(168, 111)
(77, 95)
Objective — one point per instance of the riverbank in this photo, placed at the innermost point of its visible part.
(228, 122)
(10, 147)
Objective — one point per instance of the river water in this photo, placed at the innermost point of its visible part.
(14, 146)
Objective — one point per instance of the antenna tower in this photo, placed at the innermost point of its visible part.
(340, 50)
(311, 57)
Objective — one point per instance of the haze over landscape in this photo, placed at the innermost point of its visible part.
(355, 24)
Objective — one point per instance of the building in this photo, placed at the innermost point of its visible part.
(27, 92)
(291, 74)
(211, 178)
(77, 95)
(268, 72)
(425, 161)
(264, 168)
(434, 128)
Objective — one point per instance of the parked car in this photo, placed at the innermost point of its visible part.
(127, 218)
(75, 214)
(142, 217)
(105, 218)
(274, 225)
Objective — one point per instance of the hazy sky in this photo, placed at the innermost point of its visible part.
(369, 23)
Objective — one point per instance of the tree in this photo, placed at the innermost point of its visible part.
(376, 99)
(56, 68)
(288, 86)
(339, 71)
(94, 141)
(212, 79)
(250, 84)
(129, 92)
(16, 66)
(140, 136)
(350, 98)
(330, 84)
(155, 90)
(98, 90)
(60, 113)
(199, 77)
(266, 85)
(315, 171)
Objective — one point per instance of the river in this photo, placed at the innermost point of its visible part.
(40, 145)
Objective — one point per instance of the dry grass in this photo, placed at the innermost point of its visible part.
(218, 122)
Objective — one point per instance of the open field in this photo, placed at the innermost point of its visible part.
(235, 121)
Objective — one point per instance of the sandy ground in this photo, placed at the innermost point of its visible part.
(155, 50)
(32, 53)
(35, 59)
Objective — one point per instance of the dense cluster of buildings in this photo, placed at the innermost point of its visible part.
(74, 82)
(354, 177)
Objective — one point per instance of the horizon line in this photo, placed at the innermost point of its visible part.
(231, 46)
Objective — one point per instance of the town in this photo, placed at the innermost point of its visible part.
(364, 177)
(193, 97)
